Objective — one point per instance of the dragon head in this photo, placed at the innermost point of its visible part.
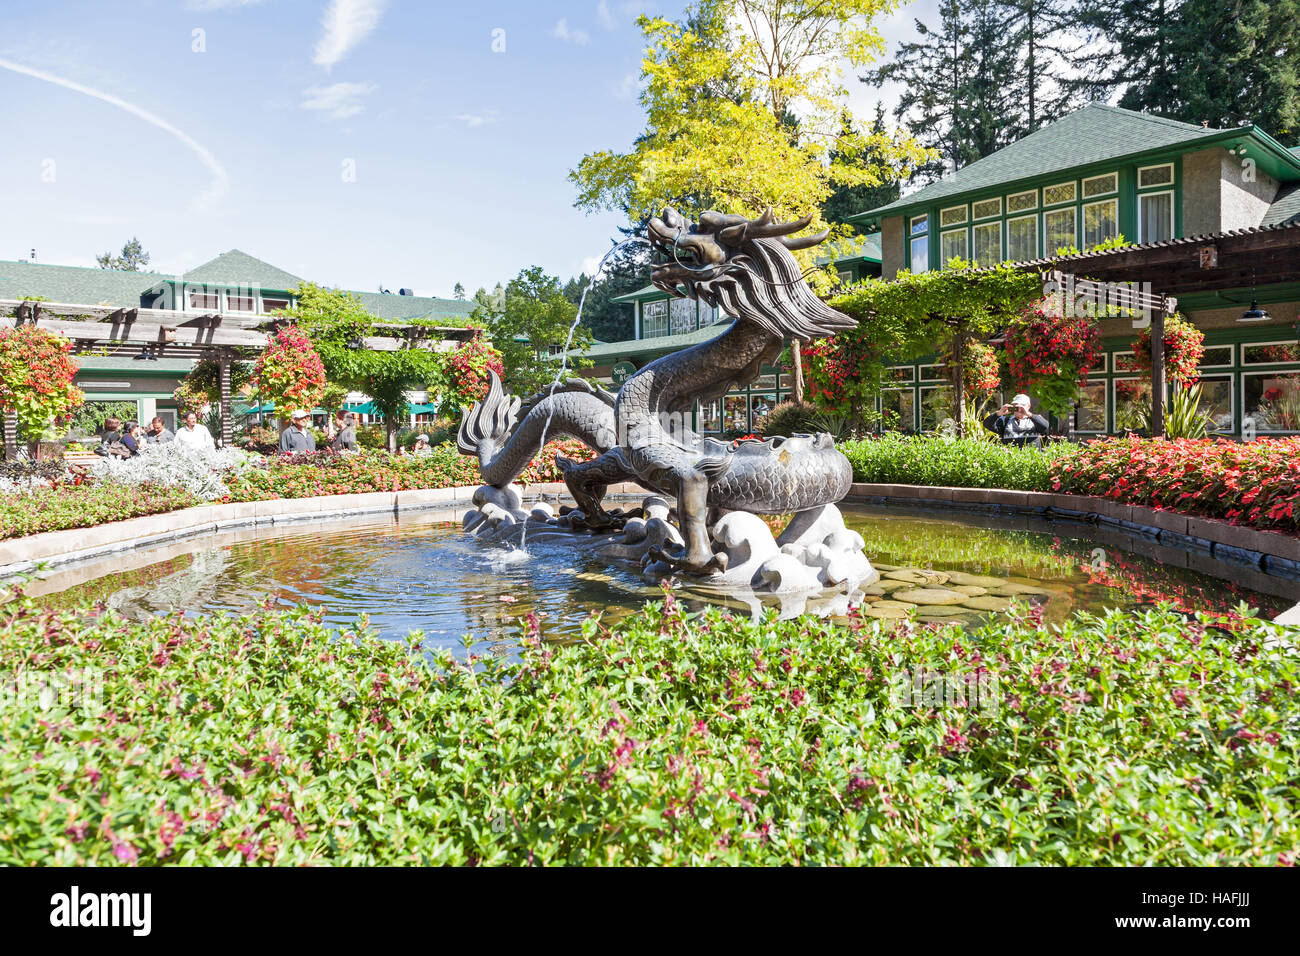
(745, 267)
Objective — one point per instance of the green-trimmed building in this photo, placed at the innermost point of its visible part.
(1212, 217)
(240, 288)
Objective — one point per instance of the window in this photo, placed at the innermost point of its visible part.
(936, 406)
(239, 303)
(1090, 410)
(919, 247)
(988, 243)
(1058, 230)
(735, 410)
(1125, 362)
(1216, 400)
(1101, 185)
(844, 278)
(1272, 353)
(272, 305)
(654, 319)
(930, 373)
(1019, 202)
(1216, 356)
(952, 244)
(1150, 176)
(1155, 217)
(898, 409)
(708, 418)
(1271, 400)
(681, 314)
(1022, 238)
(953, 216)
(1100, 222)
(987, 207)
(205, 300)
(898, 373)
(1055, 195)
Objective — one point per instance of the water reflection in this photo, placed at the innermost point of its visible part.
(421, 573)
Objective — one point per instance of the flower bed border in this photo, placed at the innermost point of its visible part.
(18, 555)
(1271, 552)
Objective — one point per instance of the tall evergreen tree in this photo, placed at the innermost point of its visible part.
(847, 200)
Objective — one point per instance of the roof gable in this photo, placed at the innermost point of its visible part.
(1094, 134)
(239, 268)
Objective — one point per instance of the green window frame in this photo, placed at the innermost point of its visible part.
(1100, 222)
(1103, 185)
(1022, 238)
(986, 243)
(1060, 228)
(1152, 224)
(918, 246)
(953, 244)
(1155, 182)
(986, 208)
(654, 319)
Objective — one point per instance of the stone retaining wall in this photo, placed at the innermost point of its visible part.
(58, 547)
(1269, 551)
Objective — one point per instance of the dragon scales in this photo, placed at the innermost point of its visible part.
(743, 266)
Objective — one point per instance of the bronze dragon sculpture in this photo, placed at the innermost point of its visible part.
(744, 267)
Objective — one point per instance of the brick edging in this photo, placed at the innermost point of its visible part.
(59, 547)
(1269, 551)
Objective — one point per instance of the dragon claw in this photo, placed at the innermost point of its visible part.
(691, 564)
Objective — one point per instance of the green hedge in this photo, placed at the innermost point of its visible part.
(674, 739)
(82, 506)
(895, 459)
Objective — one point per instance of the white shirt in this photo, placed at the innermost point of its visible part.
(197, 437)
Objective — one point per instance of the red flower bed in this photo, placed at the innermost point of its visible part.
(1256, 483)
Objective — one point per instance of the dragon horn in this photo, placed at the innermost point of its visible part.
(804, 242)
(771, 230)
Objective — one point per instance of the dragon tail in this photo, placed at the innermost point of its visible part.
(504, 442)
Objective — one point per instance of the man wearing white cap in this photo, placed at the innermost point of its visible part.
(421, 446)
(296, 437)
(1016, 425)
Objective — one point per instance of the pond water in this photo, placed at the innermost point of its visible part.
(419, 572)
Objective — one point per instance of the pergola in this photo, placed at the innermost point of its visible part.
(1244, 258)
(222, 337)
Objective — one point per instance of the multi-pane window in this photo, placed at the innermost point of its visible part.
(1152, 176)
(952, 245)
(681, 316)
(272, 305)
(919, 245)
(988, 243)
(953, 216)
(987, 207)
(1055, 195)
(239, 303)
(205, 300)
(654, 319)
(1022, 238)
(1100, 185)
(1019, 202)
(1100, 222)
(1058, 229)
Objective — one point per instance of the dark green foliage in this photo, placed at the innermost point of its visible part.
(673, 738)
(943, 462)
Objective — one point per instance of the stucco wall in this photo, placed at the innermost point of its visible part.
(1243, 203)
(891, 246)
(1201, 191)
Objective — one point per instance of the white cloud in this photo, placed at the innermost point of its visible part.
(622, 12)
(607, 19)
(220, 180)
(473, 120)
(562, 32)
(339, 100)
(346, 23)
(628, 88)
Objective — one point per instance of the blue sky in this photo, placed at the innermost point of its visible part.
(353, 142)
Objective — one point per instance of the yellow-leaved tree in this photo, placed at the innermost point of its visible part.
(745, 109)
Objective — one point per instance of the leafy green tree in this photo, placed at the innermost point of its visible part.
(720, 90)
(844, 200)
(132, 258)
(528, 324)
(337, 324)
(458, 292)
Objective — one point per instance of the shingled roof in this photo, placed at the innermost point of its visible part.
(1096, 133)
(239, 268)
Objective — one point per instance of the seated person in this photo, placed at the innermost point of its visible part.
(421, 446)
(1016, 425)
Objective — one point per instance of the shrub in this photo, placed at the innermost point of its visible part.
(84, 506)
(787, 418)
(200, 472)
(36, 376)
(670, 739)
(1255, 483)
(289, 373)
(954, 462)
